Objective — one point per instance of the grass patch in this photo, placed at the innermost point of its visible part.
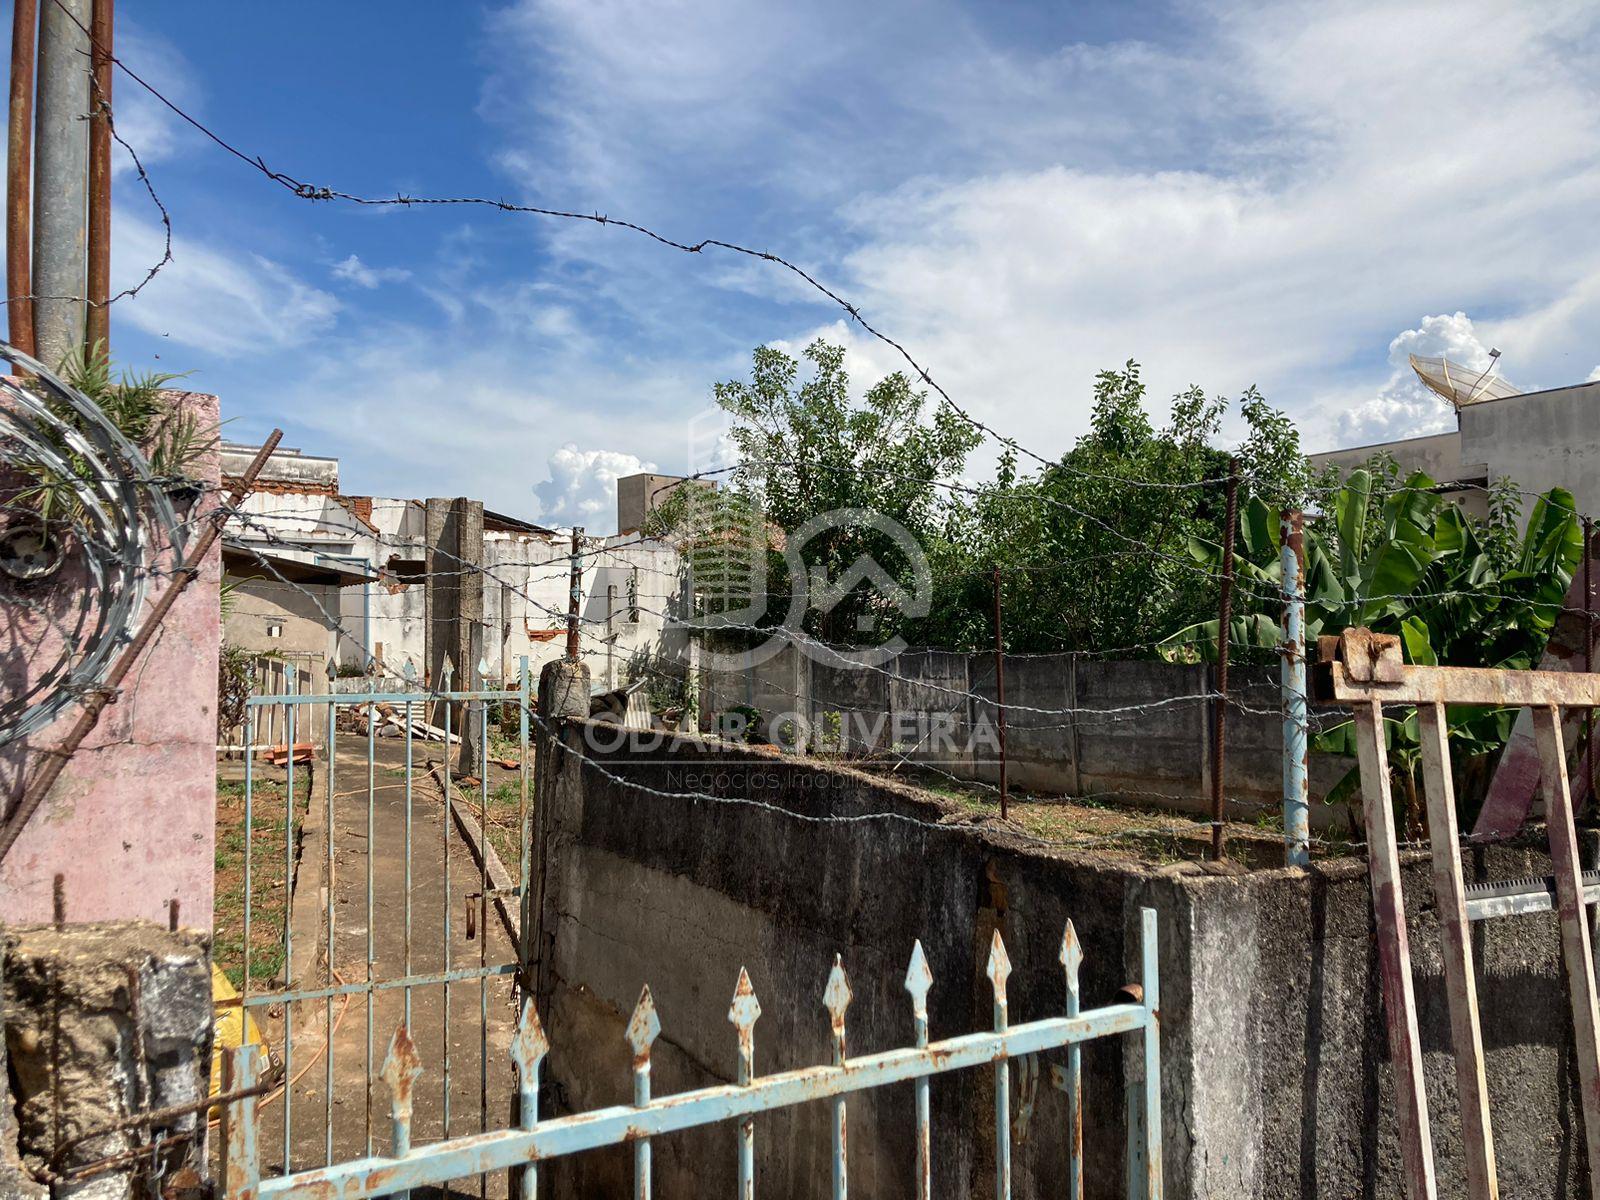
(268, 894)
(504, 829)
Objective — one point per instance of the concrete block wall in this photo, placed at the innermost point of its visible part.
(1132, 731)
(1276, 1079)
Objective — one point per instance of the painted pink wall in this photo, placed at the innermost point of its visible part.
(131, 821)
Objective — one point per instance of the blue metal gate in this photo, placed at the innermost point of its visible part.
(522, 1149)
(369, 877)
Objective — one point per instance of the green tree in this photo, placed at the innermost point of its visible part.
(1093, 549)
(808, 448)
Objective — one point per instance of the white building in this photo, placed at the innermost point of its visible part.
(318, 576)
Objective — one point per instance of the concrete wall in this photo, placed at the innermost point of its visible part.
(1275, 1074)
(1541, 440)
(1135, 732)
(640, 495)
(300, 610)
(130, 822)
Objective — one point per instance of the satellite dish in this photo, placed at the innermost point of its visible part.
(1462, 385)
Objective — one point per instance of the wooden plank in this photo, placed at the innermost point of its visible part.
(1575, 946)
(1477, 1141)
(1470, 685)
(1394, 954)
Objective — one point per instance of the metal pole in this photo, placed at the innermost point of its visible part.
(19, 176)
(1000, 696)
(1296, 718)
(95, 701)
(98, 336)
(61, 180)
(574, 594)
(1219, 758)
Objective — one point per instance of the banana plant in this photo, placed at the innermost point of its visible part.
(1459, 591)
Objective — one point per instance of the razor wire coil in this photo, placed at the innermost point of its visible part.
(82, 519)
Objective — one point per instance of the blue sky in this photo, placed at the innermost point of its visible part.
(1291, 195)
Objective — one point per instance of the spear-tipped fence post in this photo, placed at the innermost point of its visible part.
(836, 999)
(1071, 1082)
(1150, 979)
(743, 1013)
(643, 1027)
(401, 1067)
(919, 980)
(998, 971)
(528, 1049)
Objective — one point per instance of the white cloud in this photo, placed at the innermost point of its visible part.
(211, 300)
(1404, 407)
(353, 270)
(154, 131)
(1265, 196)
(582, 488)
(1031, 215)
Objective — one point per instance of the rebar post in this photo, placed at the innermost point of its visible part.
(1000, 696)
(1219, 759)
(1296, 716)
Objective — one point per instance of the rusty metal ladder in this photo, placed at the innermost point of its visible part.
(1366, 671)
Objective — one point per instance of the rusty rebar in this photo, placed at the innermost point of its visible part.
(574, 592)
(1588, 657)
(19, 177)
(1219, 759)
(98, 319)
(1000, 696)
(95, 702)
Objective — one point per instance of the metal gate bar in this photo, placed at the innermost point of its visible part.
(1366, 670)
(647, 1117)
(284, 711)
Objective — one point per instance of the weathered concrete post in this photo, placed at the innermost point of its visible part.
(563, 690)
(104, 1021)
(453, 598)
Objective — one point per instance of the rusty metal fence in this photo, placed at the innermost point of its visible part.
(404, 1165)
(347, 906)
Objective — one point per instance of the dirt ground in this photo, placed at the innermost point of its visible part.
(1118, 831)
(342, 1113)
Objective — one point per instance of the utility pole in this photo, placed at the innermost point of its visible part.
(19, 176)
(61, 179)
(98, 323)
(574, 592)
